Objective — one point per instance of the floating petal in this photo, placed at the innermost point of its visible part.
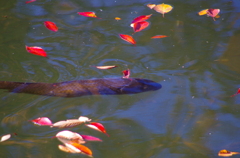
(36, 51)
(139, 26)
(128, 38)
(106, 67)
(126, 73)
(97, 126)
(5, 137)
(42, 121)
(159, 36)
(51, 26)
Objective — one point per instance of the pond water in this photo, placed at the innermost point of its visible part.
(192, 115)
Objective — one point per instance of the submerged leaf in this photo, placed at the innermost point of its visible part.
(42, 121)
(159, 36)
(30, 1)
(163, 8)
(5, 137)
(36, 51)
(128, 38)
(51, 26)
(88, 14)
(139, 26)
(97, 126)
(238, 91)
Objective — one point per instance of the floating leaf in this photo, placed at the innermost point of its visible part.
(106, 67)
(67, 123)
(90, 138)
(36, 51)
(88, 14)
(213, 13)
(69, 136)
(69, 150)
(51, 26)
(117, 18)
(159, 36)
(5, 137)
(141, 18)
(97, 126)
(226, 153)
(203, 12)
(126, 73)
(128, 38)
(139, 26)
(151, 6)
(163, 8)
(42, 121)
(83, 149)
(84, 119)
(238, 91)
(30, 1)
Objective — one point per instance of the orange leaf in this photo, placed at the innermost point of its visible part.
(51, 26)
(88, 14)
(36, 50)
(159, 36)
(163, 8)
(139, 26)
(141, 18)
(106, 67)
(82, 148)
(203, 12)
(226, 153)
(117, 18)
(128, 38)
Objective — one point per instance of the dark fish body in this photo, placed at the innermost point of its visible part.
(103, 86)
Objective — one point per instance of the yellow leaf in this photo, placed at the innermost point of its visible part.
(163, 8)
(203, 12)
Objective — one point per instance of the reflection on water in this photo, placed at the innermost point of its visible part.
(191, 116)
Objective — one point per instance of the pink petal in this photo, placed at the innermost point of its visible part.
(90, 138)
(42, 121)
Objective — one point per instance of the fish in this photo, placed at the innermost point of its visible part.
(78, 88)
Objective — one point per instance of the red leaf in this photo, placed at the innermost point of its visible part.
(30, 1)
(36, 50)
(213, 12)
(90, 138)
(141, 18)
(139, 26)
(51, 26)
(88, 14)
(126, 73)
(97, 126)
(238, 91)
(42, 121)
(128, 38)
(159, 36)
(106, 67)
